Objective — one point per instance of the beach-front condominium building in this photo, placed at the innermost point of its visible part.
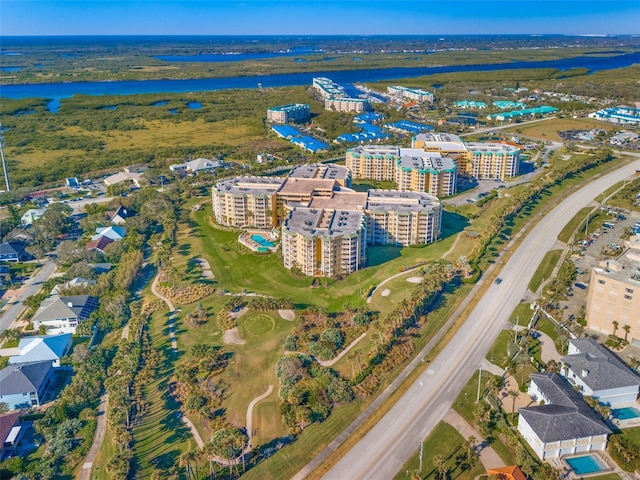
(493, 160)
(326, 226)
(346, 104)
(243, 202)
(325, 243)
(479, 160)
(613, 301)
(402, 218)
(295, 112)
(416, 94)
(327, 88)
(412, 169)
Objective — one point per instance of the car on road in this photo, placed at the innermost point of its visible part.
(498, 281)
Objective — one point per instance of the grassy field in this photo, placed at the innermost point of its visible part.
(549, 130)
(570, 228)
(632, 434)
(499, 354)
(545, 269)
(446, 441)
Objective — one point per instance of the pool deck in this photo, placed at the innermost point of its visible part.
(629, 422)
(246, 240)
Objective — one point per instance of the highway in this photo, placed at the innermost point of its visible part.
(387, 446)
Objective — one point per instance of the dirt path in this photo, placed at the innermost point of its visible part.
(388, 279)
(455, 242)
(249, 423)
(101, 428)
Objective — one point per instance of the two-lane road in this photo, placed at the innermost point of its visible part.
(385, 448)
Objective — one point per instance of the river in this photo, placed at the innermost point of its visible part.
(57, 91)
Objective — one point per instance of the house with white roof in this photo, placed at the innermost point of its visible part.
(563, 424)
(42, 348)
(77, 282)
(198, 165)
(31, 216)
(598, 373)
(115, 233)
(122, 177)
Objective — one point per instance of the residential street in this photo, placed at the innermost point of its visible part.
(32, 286)
(385, 448)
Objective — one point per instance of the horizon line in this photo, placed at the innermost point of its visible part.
(588, 35)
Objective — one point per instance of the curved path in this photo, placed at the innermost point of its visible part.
(249, 422)
(384, 449)
(98, 438)
(392, 277)
(332, 362)
(172, 312)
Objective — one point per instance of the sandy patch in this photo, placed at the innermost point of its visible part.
(414, 279)
(288, 315)
(385, 293)
(206, 268)
(207, 274)
(232, 337)
(239, 313)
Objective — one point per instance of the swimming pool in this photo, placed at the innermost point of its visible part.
(625, 413)
(586, 464)
(260, 240)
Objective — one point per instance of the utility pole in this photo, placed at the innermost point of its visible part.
(479, 380)
(4, 161)
(421, 451)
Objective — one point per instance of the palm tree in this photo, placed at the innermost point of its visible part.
(615, 327)
(627, 329)
(185, 461)
(513, 394)
(441, 466)
(208, 451)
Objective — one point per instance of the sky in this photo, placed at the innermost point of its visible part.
(312, 17)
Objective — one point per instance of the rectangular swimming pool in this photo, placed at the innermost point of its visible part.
(625, 413)
(586, 464)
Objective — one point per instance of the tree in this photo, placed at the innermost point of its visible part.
(440, 464)
(209, 452)
(615, 327)
(513, 394)
(228, 443)
(627, 329)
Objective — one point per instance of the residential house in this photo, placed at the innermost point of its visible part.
(564, 424)
(42, 348)
(119, 217)
(13, 252)
(115, 233)
(507, 473)
(99, 244)
(5, 272)
(122, 177)
(31, 216)
(101, 268)
(197, 166)
(10, 434)
(63, 314)
(77, 282)
(25, 385)
(598, 373)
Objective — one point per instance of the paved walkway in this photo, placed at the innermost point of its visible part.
(548, 348)
(492, 368)
(487, 455)
(330, 363)
(195, 433)
(455, 242)
(249, 421)
(172, 313)
(388, 279)
(101, 427)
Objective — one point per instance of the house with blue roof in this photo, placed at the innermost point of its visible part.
(406, 126)
(286, 131)
(114, 233)
(309, 143)
(369, 117)
(42, 348)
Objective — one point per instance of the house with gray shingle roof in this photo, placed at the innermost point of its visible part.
(62, 314)
(564, 424)
(42, 348)
(77, 282)
(598, 373)
(24, 385)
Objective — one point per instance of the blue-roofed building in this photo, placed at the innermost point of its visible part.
(620, 115)
(508, 104)
(309, 143)
(406, 126)
(470, 105)
(368, 133)
(526, 112)
(285, 131)
(42, 348)
(369, 117)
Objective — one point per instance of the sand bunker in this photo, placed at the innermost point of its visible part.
(385, 293)
(232, 336)
(414, 279)
(239, 313)
(288, 315)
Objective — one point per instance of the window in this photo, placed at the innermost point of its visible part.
(627, 297)
(601, 282)
(629, 290)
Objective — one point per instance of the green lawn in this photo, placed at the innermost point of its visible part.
(577, 221)
(632, 434)
(545, 269)
(446, 441)
(499, 351)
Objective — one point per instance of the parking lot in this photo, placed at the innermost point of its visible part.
(603, 243)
